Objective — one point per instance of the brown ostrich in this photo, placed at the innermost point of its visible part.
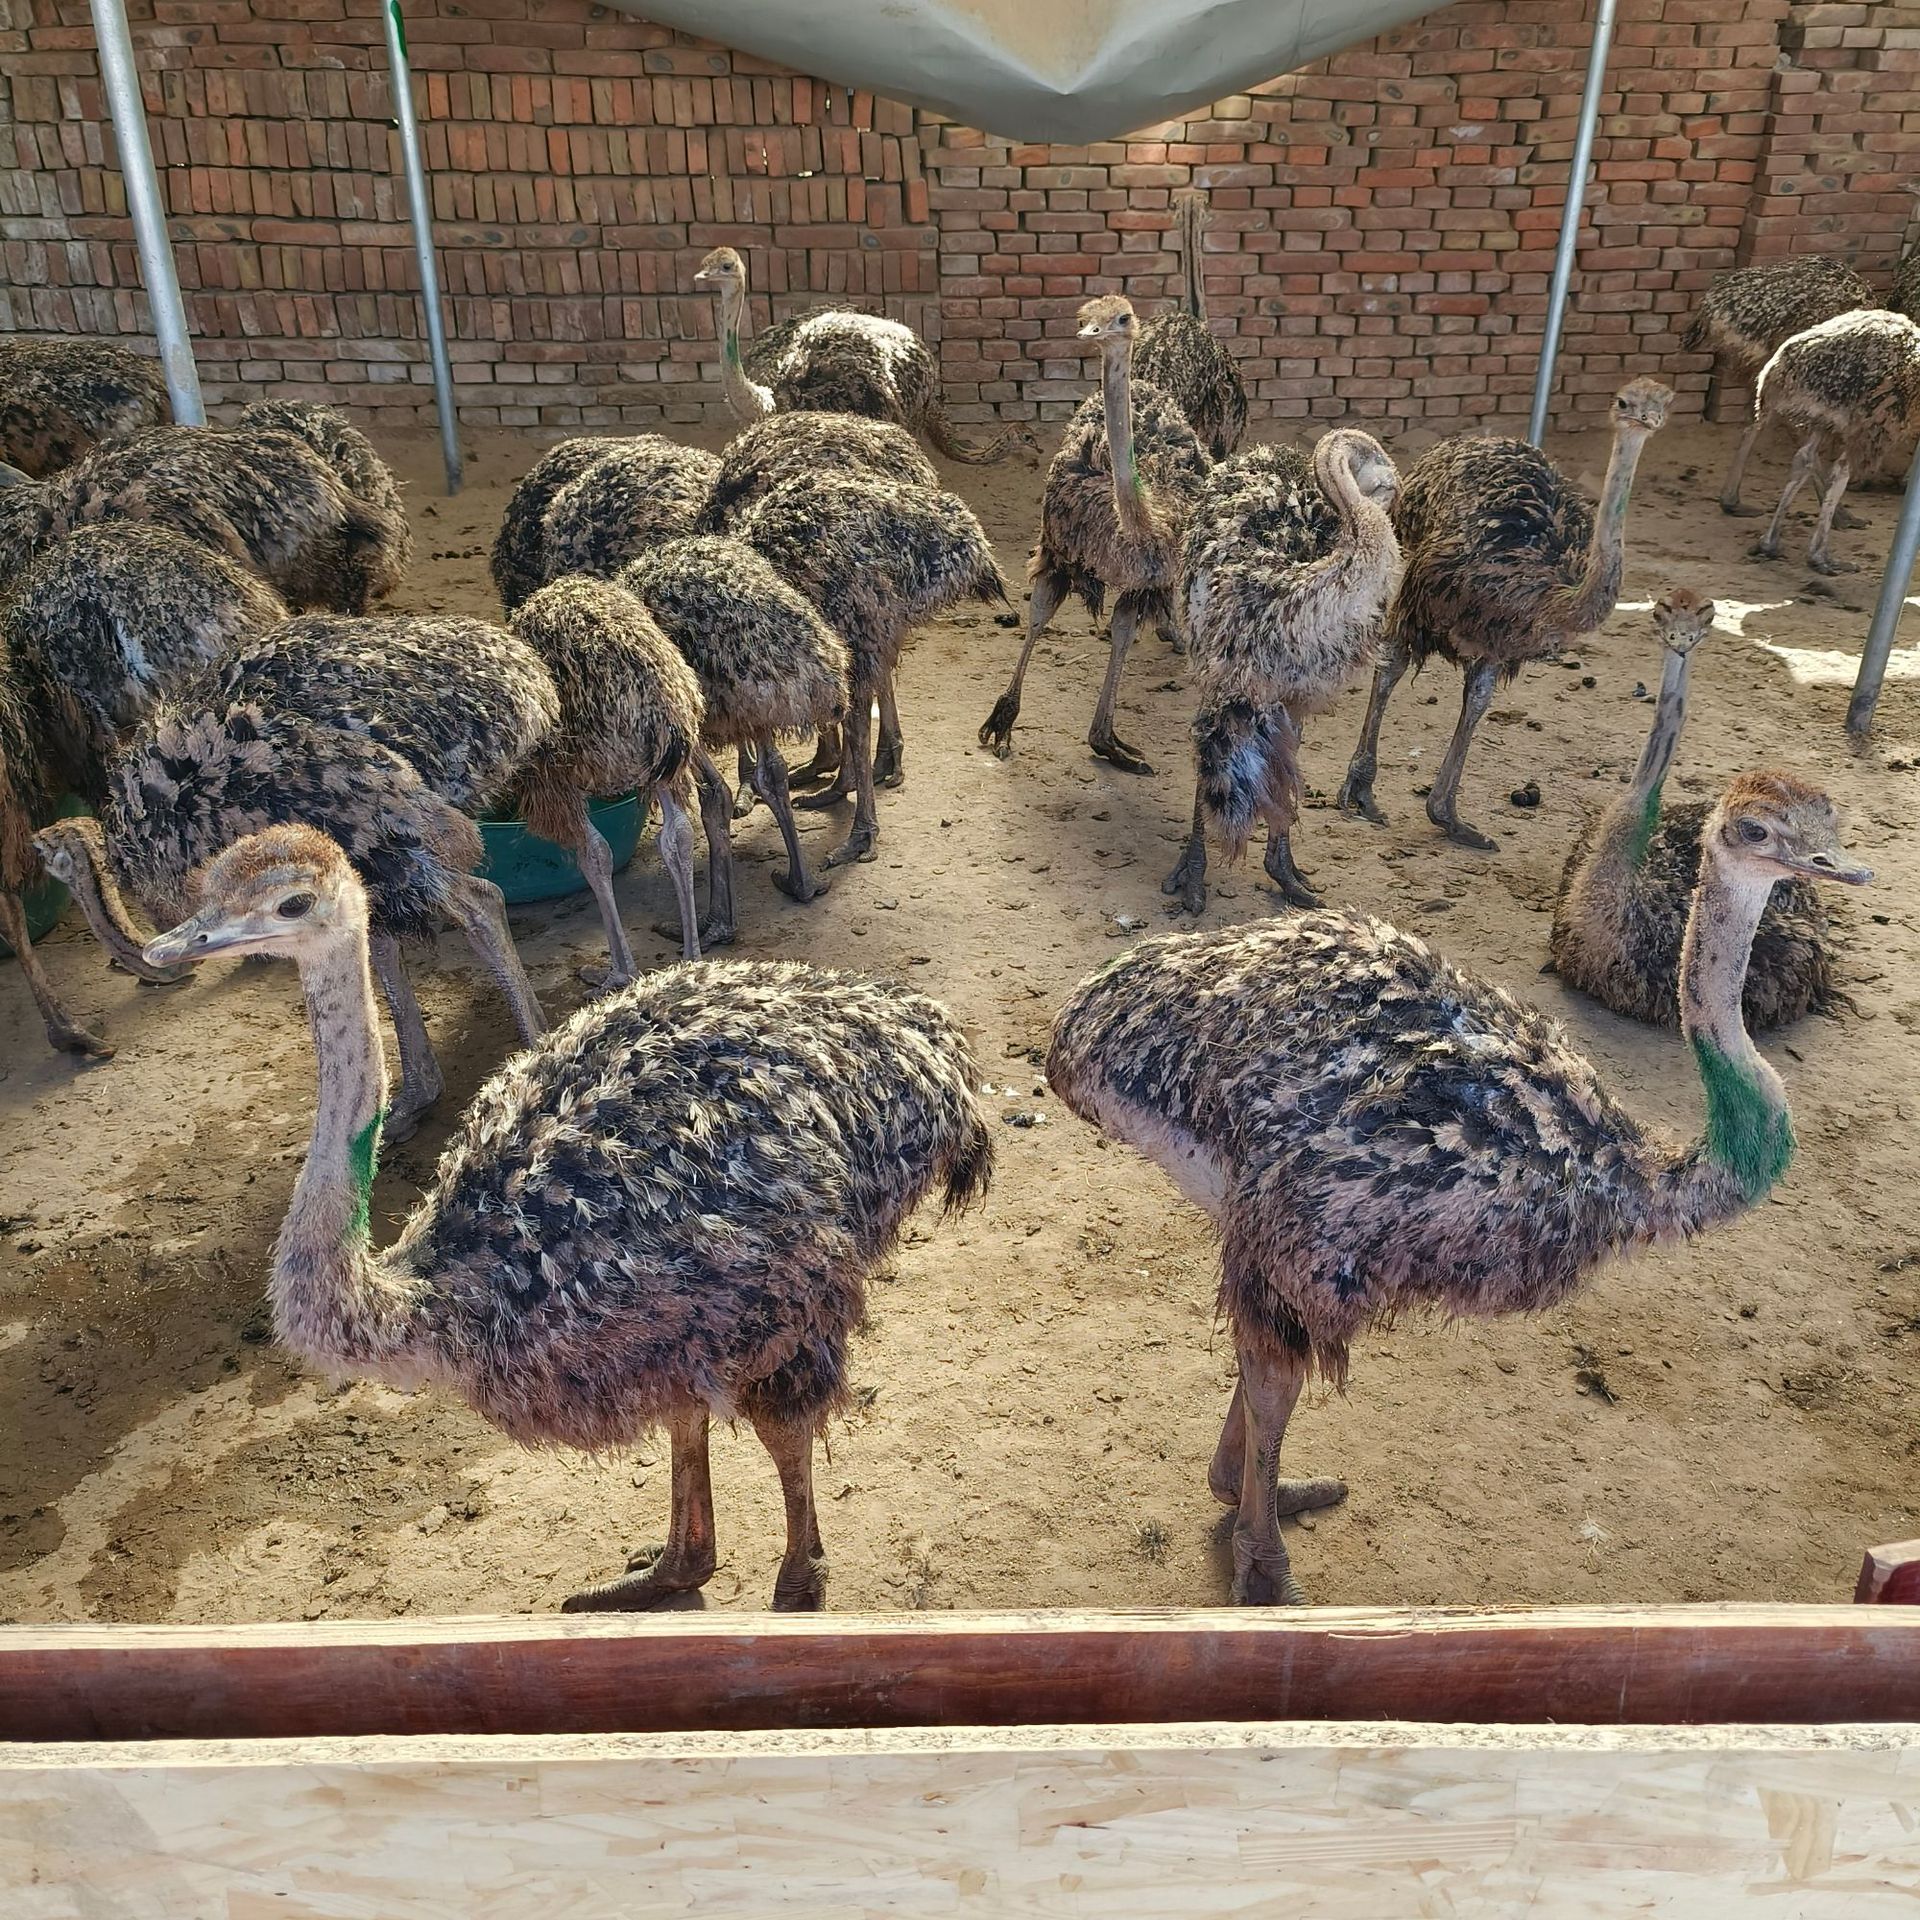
(1505, 562)
(1620, 921)
(518, 562)
(796, 446)
(1177, 352)
(1289, 563)
(663, 1212)
(1374, 1130)
(1851, 387)
(1745, 315)
(1112, 518)
(835, 360)
(61, 398)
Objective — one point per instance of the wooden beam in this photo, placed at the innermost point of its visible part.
(593, 1674)
(1122, 1823)
(1890, 1576)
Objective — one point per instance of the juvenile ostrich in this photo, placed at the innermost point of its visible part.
(1621, 919)
(518, 561)
(61, 398)
(1289, 563)
(639, 492)
(1177, 352)
(260, 496)
(665, 1211)
(796, 446)
(351, 455)
(837, 361)
(876, 560)
(1112, 518)
(1745, 315)
(1372, 1129)
(630, 718)
(387, 733)
(1851, 386)
(1506, 562)
(768, 666)
(100, 627)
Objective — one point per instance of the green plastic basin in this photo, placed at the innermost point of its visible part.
(526, 868)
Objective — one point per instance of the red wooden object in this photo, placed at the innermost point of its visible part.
(1890, 1576)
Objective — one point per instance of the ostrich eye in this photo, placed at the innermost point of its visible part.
(296, 906)
(1752, 832)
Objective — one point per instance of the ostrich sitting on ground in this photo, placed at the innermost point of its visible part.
(768, 666)
(1505, 562)
(877, 560)
(351, 455)
(1289, 563)
(664, 1212)
(1745, 316)
(100, 627)
(1177, 353)
(1851, 386)
(61, 398)
(837, 361)
(260, 496)
(1114, 513)
(630, 718)
(387, 733)
(518, 562)
(1372, 1129)
(1621, 918)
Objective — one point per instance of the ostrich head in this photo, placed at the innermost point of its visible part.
(287, 891)
(63, 846)
(1374, 476)
(1682, 618)
(1108, 320)
(1782, 829)
(723, 270)
(1640, 407)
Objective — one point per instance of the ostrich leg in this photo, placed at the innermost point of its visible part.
(561, 815)
(717, 813)
(1797, 477)
(420, 1081)
(1820, 547)
(1730, 493)
(1443, 803)
(1100, 736)
(1188, 880)
(745, 787)
(770, 782)
(676, 855)
(855, 753)
(996, 731)
(827, 757)
(890, 758)
(1269, 1387)
(1356, 790)
(686, 1562)
(64, 1033)
(801, 1585)
(1280, 865)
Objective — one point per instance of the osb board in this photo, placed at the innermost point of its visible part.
(1296, 1822)
(611, 1674)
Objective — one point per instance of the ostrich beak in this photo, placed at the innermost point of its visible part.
(13, 477)
(1828, 864)
(210, 931)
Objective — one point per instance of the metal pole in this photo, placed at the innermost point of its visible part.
(129, 116)
(1887, 609)
(421, 208)
(1570, 220)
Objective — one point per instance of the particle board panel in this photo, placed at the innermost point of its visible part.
(1303, 1821)
(688, 1671)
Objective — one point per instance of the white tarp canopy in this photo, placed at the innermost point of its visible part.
(1072, 70)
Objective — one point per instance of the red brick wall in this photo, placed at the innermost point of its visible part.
(1384, 222)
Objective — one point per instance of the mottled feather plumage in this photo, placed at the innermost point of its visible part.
(518, 560)
(1747, 313)
(789, 446)
(60, 398)
(639, 492)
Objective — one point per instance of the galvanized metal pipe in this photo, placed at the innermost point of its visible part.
(1570, 220)
(1887, 609)
(129, 114)
(421, 209)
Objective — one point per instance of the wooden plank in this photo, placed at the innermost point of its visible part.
(537, 1675)
(1294, 1822)
(1890, 1576)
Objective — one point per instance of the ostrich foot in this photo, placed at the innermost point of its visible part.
(818, 768)
(1289, 1496)
(744, 801)
(1111, 748)
(801, 1585)
(653, 1574)
(858, 845)
(1847, 521)
(996, 731)
(1187, 883)
(801, 889)
(889, 764)
(1829, 566)
(1762, 550)
(1735, 511)
(1261, 1575)
(1356, 796)
(69, 1036)
(833, 796)
(1461, 832)
(607, 979)
(714, 933)
(1291, 882)
(403, 1122)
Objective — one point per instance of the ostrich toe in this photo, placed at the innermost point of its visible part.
(607, 979)
(801, 1585)
(653, 1575)
(836, 795)
(1735, 511)
(713, 933)
(1261, 1574)
(69, 1036)
(1462, 832)
(1847, 521)
(1356, 796)
(801, 890)
(996, 730)
(1285, 875)
(1826, 564)
(858, 845)
(1187, 883)
(889, 764)
(1111, 748)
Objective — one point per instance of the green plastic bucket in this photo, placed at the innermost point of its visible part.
(50, 899)
(526, 868)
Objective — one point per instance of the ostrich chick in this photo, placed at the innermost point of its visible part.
(1112, 517)
(518, 560)
(1504, 562)
(638, 493)
(1177, 353)
(1851, 386)
(1288, 565)
(1745, 315)
(61, 398)
(630, 717)
(1621, 919)
(1372, 1129)
(796, 446)
(665, 1211)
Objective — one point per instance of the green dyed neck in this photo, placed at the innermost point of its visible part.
(363, 1154)
(1748, 1131)
(1643, 829)
(731, 346)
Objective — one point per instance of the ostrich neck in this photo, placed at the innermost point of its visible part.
(1193, 284)
(333, 1300)
(1584, 606)
(1116, 404)
(1364, 560)
(1640, 808)
(748, 401)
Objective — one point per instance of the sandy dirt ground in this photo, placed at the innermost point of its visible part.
(1043, 1380)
